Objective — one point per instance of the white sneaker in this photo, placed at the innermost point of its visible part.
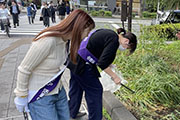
(3, 31)
(81, 113)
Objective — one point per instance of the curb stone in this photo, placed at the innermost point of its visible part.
(115, 108)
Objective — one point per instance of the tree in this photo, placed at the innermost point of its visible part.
(173, 4)
(151, 5)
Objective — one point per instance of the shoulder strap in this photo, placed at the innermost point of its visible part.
(84, 52)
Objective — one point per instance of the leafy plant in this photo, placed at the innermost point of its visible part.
(159, 32)
(108, 14)
(153, 71)
(101, 13)
(94, 13)
(106, 115)
(147, 14)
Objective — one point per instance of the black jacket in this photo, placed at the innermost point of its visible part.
(61, 9)
(46, 12)
(11, 9)
(103, 44)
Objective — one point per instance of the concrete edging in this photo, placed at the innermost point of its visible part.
(115, 108)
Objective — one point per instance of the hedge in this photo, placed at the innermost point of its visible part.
(147, 14)
(101, 13)
(156, 32)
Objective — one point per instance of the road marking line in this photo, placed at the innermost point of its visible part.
(11, 33)
(115, 26)
(110, 22)
(6, 118)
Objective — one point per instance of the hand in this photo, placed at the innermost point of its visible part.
(178, 35)
(116, 79)
(21, 104)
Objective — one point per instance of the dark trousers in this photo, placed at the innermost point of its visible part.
(4, 22)
(15, 19)
(46, 21)
(53, 18)
(2, 25)
(30, 19)
(92, 87)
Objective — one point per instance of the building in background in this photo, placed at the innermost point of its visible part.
(136, 5)
(112, 4)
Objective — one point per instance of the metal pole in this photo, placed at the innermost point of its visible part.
(157, 12)
(130, 15)
(87, 4)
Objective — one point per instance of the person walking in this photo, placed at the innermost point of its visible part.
(29, 14)
(61, 9)
(46, 14)
(4, 16)
(34, 10)
(68, 9)
(52, 12)
(43, 61)
(42, 6)
(98, 49)
(15, 11)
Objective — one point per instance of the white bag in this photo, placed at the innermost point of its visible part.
(108, 84)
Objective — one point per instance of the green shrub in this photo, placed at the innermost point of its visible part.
(94, 13)
(159, 32)
(108, 14)
(133, 15)
(101, 12)
(84, 9)
(147, 14)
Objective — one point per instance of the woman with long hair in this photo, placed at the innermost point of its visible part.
(98, 49)
(43, 61)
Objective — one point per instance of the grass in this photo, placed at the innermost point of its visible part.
(153, 71)
(106, 115)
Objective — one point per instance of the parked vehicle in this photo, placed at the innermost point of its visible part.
(170, 16)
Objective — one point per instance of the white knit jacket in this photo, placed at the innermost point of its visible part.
(42, 61)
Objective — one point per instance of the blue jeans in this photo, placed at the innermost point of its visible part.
(52, 107)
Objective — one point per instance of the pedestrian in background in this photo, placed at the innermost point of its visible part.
(4, 16)
(34, 10)
(61, 9)
(42, 6)
(52, 12)
(29, 14)
(68, 9)
(101, 46)
(43, 61)
(46, 14)
(14, 10)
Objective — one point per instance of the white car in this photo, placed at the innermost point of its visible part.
(170, 16)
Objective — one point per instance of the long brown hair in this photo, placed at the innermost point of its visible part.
(74, 24)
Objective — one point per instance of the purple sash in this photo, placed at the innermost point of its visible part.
(52, 84)
(48, 87)
(84, 52)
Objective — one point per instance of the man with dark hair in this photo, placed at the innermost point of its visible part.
(52, 12)
(14, 10)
